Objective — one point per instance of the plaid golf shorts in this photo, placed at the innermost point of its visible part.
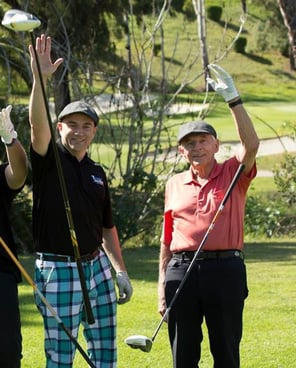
(60, 284)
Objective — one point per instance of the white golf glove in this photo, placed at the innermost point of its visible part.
(124, 287)
(7, 131)
(224, 85)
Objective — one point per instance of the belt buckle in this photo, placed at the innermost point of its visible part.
(239, 254)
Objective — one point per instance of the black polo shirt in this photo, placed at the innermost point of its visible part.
(6, 197)
(89, 201)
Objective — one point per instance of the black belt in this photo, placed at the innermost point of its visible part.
(64, 258)
(219, 254)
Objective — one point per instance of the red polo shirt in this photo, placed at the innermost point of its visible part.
(190, 208)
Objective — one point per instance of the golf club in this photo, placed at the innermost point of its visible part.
(145, 343)
(18, 20)
(21, 21)
(46, 303)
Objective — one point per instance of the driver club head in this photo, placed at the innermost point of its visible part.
(141, 342)
(18, 20)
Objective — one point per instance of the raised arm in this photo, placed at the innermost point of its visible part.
(245, 128)
(16, 171)
(40, 132)
(248, 137)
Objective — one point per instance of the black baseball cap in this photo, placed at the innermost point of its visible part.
(79, 107)
(195, 127)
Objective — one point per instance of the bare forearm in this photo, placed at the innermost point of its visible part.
(40, 132)
(164, 258)
(37, 111)
(247, 135)
(112, 248)
(16, 171)
(245, 127)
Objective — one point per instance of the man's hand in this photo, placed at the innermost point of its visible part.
(224, 85)
(124, 287)
(7, 132)
(43, 52)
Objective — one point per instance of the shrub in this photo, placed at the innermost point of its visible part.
(137, 206)
(214, 13)
(261, 219)
(285, 179)
(156, 49)
(188, 10)
(240, 45)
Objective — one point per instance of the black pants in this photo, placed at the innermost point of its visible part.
(10, 325)
(215, 290)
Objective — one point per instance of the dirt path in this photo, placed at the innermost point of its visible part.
(109, 103)
(267, 147)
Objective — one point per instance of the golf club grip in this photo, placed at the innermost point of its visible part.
(197, 252)
(45, 302)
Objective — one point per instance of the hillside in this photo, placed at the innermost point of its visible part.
(256, 73)
(264, 80)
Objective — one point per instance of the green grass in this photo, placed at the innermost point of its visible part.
(265, 185)
(262, 186)
(269, 317)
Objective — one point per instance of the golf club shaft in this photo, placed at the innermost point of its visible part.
(46, 303)
(86, 301)
(197, 252)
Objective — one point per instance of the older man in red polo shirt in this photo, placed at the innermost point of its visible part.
(216, 288)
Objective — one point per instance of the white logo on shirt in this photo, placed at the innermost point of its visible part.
(97, 180)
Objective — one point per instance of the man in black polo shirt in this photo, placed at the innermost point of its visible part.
(12, 179)
(56, 271)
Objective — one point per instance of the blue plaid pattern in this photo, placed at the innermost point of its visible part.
(60, 285)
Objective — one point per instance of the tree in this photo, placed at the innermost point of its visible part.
(200, 12)
(288, 11)
(85, 37)
(135, 128)
(199, 8)
(143, 145)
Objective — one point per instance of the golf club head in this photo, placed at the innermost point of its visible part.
(18, 20)
(141, 342)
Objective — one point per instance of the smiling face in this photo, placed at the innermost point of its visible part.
(77, 132)
(199, 150)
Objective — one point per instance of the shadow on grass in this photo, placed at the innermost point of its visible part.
(277, 251)
(29, 313)
(258, 59)
(233, 27)
(142, 263)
